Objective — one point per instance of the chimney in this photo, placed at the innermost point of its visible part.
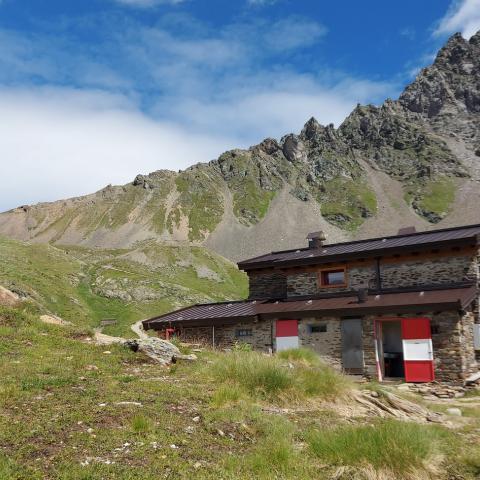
(316, 239)
(362, 294)
(406, 230)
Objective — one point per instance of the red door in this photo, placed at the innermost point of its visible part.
(417, 350)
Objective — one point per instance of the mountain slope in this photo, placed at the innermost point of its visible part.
(411, 161)
(86, 286)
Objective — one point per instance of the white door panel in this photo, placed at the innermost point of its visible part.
(284, 343)
(418, 349)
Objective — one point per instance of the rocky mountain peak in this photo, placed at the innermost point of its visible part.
(403, 162)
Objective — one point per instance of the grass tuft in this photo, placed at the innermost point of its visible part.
(264, 376)
(141, 424)
(389, 444)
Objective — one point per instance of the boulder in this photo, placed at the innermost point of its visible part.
(8, 298)
(456, 412)
(159, 350)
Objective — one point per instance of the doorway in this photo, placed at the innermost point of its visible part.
(404, 350)
(391, 349)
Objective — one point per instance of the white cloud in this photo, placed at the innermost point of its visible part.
(57, 143)
(164, 96)
(148, 3)
(261, 2)
(462, 16)
(292, 33)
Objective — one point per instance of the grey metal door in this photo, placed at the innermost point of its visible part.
(352, 348)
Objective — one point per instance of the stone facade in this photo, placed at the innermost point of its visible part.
(453, 349)
(307, 283)
(452, 339)
(267, 285)
(226, 336)
(328, 344)
(436, 271)
(445, 270)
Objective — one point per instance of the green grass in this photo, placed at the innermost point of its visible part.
(262, 376)
(86, 286)
(389, 445)
(61, 419)
(200, 200)
(435, 198)
(346, 202)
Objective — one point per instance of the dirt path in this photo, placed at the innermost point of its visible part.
(137, 328)
(102, 339)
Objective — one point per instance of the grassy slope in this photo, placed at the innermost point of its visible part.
(59, 417)
(86, 286)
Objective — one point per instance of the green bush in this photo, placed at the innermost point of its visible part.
(389, 444)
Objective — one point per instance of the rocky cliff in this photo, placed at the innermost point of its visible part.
(415, 161)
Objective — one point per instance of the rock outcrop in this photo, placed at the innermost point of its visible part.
(157, 349)
(415, 160)
(8, 298)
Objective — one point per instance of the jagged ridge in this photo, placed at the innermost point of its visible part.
(414, 140)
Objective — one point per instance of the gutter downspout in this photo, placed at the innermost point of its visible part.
(378, 275)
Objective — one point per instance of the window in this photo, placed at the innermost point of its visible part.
(332, 278)
(243, 332)
(321, 328)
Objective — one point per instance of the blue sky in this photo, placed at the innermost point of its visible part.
(94, 92)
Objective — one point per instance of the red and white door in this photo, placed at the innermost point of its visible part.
(286, 334)
(417, 350)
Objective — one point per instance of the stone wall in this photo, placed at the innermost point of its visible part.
(267, 285)
(327, 344)
(429, 272)
(453, 351)
(226, 335)
(368, 341)
(444, 270)
(307, 283)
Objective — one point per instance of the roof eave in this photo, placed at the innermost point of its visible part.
(246, 266)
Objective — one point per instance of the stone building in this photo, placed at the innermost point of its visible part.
(404, 306)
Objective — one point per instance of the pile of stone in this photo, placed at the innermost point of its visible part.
(434, 390)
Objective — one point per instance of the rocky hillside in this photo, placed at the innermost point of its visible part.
(411, 161)
(86, 286)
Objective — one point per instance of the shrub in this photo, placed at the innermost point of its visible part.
(390, 445)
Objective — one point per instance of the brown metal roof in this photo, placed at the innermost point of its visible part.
(362, 248)
(441, 299)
